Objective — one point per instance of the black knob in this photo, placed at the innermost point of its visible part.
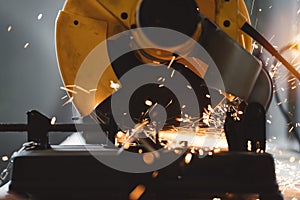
(178, 15)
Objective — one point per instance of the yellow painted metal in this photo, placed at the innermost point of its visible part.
(92, 9)
(82, 25)
(208, 8)
(119, 7)
(230, 17)
(76, 37)
(233, 11)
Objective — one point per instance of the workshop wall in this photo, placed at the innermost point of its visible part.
(279, 22)
(29, 77)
